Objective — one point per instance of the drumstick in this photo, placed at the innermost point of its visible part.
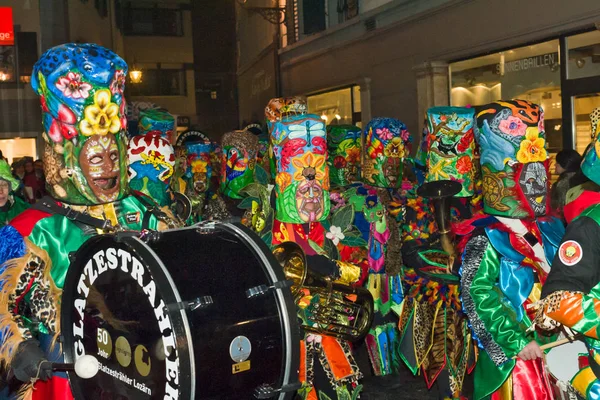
(559, 342)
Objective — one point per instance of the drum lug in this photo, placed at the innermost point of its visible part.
(267, 391)
(263, 289)
(193, 305)
(207, 227)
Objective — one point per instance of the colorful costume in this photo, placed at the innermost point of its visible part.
(327, 369)
(151, 156)
(435, 337)
(238, 160)
(507, 252)
(387, 143)
(14, 205)
(81, 91)
(344, 145)
(572, 291)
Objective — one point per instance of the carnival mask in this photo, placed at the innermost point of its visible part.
(344, 146)
(451, 144)
(387, 143)
(81, 92)
(302, 181)
(514, 160)
(151, 164)
(238, 159)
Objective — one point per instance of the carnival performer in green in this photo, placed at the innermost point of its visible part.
(85, 156)
(571, 294)
(10, 205)
(506, 253)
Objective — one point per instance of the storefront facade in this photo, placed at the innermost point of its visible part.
(406, 56)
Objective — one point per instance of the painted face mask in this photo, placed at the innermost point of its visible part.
(344, 146)
(387, 142)
(302, 181)
(81, 92)
(238, 159)
(151, 165)
(451, 144)
(514, 161)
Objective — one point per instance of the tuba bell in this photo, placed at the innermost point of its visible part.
(342, 311)
(440, 194)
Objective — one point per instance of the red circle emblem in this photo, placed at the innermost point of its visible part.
(570, 252)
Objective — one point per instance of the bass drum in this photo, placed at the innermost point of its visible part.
(197, 313)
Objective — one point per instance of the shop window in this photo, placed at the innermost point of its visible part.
(529, 73)
(160, 82)
(337, 107)
(583, 105)
(584, 55)
(8, 72)
(16, 148)
(153, 22)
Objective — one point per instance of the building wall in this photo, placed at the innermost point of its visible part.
(215, 66)
(147, 51)
(257, 58)
(410, 33)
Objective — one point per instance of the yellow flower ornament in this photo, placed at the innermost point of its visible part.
(101, 117)
(532, 148)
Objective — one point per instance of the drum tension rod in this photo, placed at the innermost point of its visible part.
(262, 289)
(267, 391)
(193, 305)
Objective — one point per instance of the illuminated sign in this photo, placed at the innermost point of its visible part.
(7, 34)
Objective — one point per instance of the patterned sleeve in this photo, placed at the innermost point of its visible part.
(570, 294)
(493, 322)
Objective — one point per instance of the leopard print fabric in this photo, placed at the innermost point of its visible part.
(595, 120)
(549, 305)
(41, 306)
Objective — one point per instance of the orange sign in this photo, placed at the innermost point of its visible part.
(7, 33)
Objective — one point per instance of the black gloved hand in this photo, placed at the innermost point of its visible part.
(26, 361)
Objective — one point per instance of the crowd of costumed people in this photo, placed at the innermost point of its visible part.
(449, 263)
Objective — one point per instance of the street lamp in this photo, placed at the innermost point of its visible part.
(135, 74)
(275, 15)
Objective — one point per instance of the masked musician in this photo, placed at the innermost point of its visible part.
(572, 290)
(85, 156)
(387, 143)
(239, 150)
(302, 205)
(10, 205)
(432, 309)
(508, 251)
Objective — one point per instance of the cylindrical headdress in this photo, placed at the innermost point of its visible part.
(299, 144)
(151, 156)
(514, 161)
(344, 144)
(387, 142)
(238, 159)
(451, 144)
(81, 91)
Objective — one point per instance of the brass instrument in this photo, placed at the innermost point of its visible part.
(440, 193)
(343, 311)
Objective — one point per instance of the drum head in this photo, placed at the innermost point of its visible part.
(172, 318)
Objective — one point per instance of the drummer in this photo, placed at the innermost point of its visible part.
(86, 174)
(572, 291)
